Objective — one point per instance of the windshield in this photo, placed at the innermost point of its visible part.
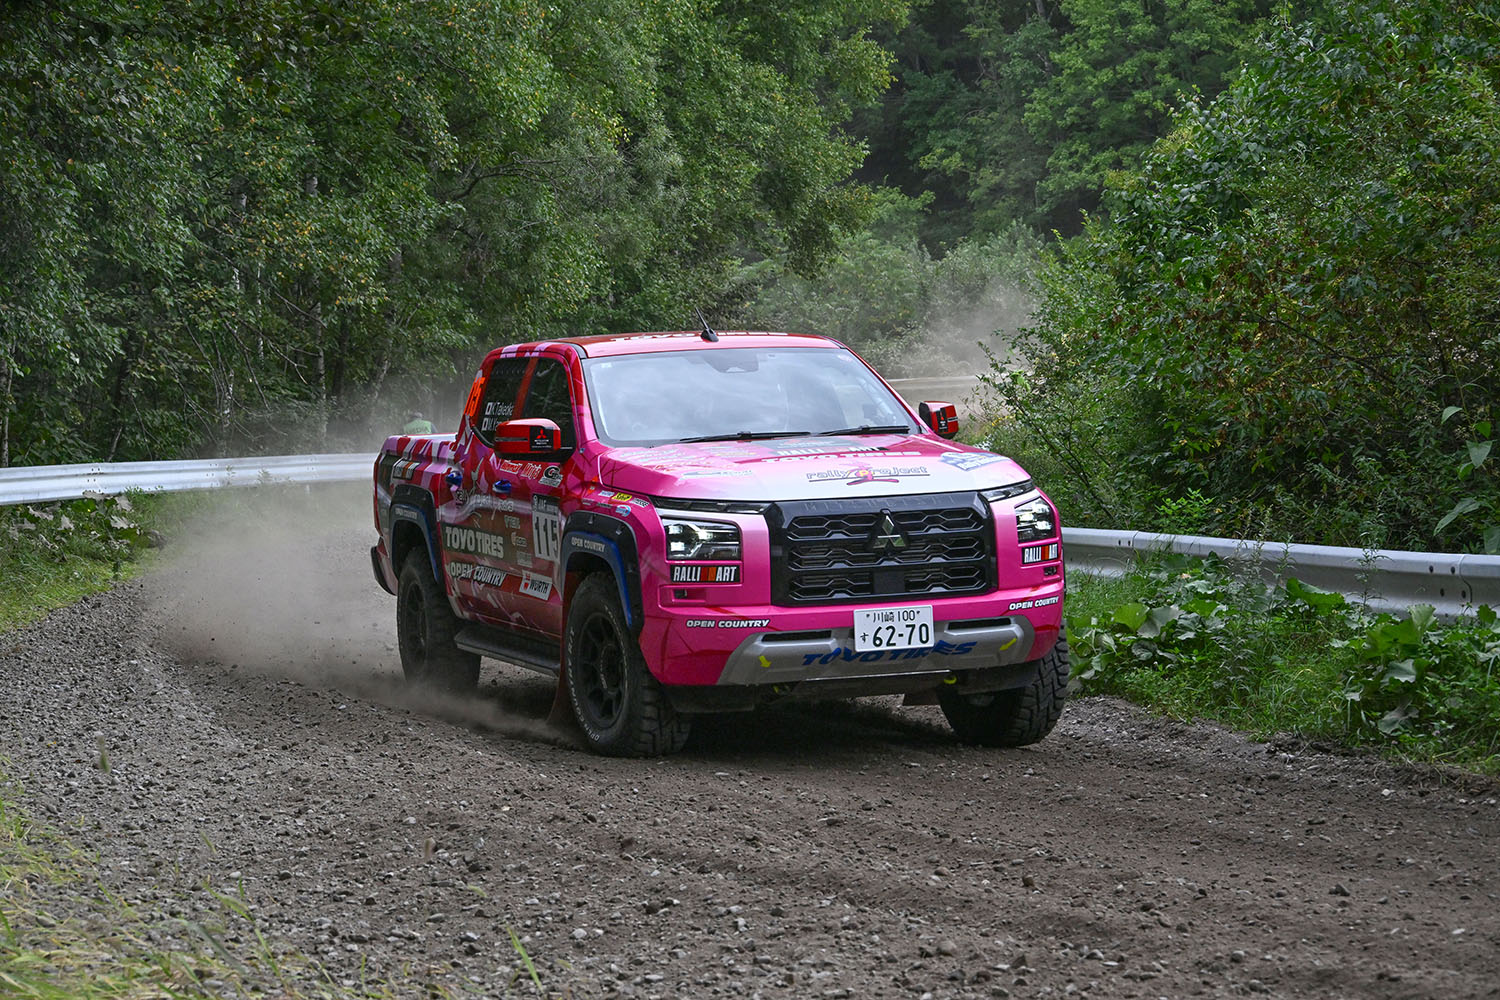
(728, 393)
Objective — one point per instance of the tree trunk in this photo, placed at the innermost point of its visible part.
(320, 424)
(6, 405)
(117, 395)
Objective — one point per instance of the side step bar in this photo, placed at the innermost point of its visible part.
(534, 654)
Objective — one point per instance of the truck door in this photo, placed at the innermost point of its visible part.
(476, 522)
(533, 546)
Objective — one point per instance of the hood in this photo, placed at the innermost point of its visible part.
(806, 468)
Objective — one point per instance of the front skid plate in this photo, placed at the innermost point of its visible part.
(790, 658)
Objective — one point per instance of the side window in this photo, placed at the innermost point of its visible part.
(501, 390)
(547, 396)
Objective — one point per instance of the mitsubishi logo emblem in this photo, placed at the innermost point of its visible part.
(886, 537)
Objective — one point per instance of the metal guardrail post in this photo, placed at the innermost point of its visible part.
(40, 483)
(1385, 579)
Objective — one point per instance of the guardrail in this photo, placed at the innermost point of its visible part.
(1386, 579)
(38, 483)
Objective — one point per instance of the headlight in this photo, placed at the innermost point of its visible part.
(1006, 492)
(1035, 520)
(701, 540)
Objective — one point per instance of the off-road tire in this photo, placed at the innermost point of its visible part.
(620, 707)
(1014, 718)
(425, 627)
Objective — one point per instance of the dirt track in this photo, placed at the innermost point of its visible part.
(259, 736)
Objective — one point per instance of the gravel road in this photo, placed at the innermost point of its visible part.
(261, 741)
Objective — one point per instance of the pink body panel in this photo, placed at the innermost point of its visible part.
(690, 629)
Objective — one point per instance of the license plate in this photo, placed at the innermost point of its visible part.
(893, 628)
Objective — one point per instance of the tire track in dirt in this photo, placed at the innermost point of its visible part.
(261, 740)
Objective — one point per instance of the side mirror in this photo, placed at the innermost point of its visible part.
(941, 417)
(528, 438)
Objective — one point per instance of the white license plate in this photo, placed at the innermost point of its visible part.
(893, 628)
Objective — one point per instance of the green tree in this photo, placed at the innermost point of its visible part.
(251, 223)
(1019, 111)
(1288, 295)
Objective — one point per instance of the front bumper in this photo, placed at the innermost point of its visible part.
(792, 657)
(970, 656)
(714, 645)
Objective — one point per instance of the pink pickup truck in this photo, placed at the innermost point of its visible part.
(680, 524)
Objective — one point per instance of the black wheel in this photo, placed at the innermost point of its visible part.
(425, 627)
(1014, 718)
(619, 705)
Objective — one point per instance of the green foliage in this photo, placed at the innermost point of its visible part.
(1418, 681)
(247, 224)
(1479, 501)
(1197, 638)
(52, 554)
(1192, 514)
(98, 527)
(1019, 112)
(1292, 289)
(887, 297)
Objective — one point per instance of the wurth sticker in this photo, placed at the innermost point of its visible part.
(536, 585)
(706, 574)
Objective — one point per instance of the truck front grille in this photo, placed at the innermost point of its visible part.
(881, 548)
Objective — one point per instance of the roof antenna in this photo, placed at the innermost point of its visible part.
(708, 331)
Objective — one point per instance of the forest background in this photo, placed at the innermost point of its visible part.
(1238, 262)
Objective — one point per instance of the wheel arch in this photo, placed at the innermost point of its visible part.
(413, 526)
(595, 543)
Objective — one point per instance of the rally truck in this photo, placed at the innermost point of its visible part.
(677, 525)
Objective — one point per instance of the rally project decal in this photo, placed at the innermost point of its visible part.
(857, 477)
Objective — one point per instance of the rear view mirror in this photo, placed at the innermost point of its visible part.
(941, 417)
(526, 438)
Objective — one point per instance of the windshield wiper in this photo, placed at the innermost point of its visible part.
(869, 429)
(745, 436)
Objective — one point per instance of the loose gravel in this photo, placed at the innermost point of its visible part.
(260, 741)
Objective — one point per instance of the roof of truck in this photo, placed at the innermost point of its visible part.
(605, 345)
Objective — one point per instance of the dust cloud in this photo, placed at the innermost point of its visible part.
(276, 581)
(957, 329)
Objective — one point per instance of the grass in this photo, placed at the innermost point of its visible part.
(53, 554)
(1191, 639)
(64, 935)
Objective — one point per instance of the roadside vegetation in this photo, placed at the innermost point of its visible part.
(65, 936)
(51, 554)
(1285, 326)
(1202, 638)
